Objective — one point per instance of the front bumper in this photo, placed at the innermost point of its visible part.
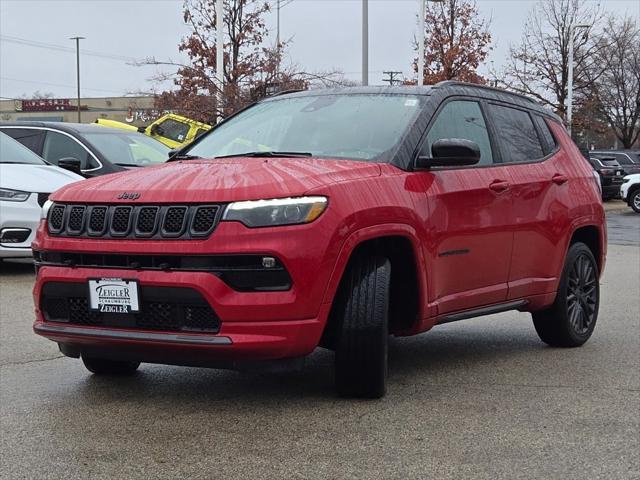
(254, 325)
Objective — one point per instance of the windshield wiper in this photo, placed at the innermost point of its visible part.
(127, 165)
(270, 153)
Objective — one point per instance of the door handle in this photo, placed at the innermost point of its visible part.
(499, 186)
(559, 179)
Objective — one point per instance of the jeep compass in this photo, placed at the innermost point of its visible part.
(330, 218)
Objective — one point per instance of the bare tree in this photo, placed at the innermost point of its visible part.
(539, 65)
(616, 91)
(457, 41)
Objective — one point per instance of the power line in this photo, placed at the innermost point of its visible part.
(61, 48)
(49, 84)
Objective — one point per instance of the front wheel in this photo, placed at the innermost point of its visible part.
(570, 321)
(101, 366)
(363, 314)
(635, 201)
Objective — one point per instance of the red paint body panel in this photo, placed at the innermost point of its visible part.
(473, 245)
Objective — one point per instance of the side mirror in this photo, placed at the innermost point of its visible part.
(450, 152)
(71, 164)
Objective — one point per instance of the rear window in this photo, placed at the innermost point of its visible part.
(549, 143)
(517, 134)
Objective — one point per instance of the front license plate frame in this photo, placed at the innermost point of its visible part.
(114, 295)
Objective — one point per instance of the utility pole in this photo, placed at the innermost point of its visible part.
(77, 39)
(365, 42)
(570, 80)
(392, 78)
(219, 58)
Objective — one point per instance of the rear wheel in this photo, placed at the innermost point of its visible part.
(570, 321)
(101, 366)
(363, 314)
(634, 201)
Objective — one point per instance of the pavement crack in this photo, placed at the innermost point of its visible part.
(10, 364)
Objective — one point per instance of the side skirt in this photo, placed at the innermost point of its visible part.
(479, 312)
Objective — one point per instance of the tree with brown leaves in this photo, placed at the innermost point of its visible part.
(252, 66)
(457, 41)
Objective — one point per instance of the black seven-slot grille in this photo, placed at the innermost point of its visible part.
(133, 221)
(161, 308)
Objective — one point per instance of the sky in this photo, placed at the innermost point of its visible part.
(37, 55)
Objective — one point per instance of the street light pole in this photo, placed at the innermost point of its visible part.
(77, 39)
(365, 42)
(219, 58)
(570, 79)
(421, 4)
(421, 44)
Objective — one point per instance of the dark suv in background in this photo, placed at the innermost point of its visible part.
(87, 149)
(611, 174)
(629, 160)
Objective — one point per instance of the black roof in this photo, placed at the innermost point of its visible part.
(451, 87)
(64, 126)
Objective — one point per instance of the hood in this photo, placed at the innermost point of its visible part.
(35, 178)
(223, 180)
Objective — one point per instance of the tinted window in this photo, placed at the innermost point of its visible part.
(623, 159)
(58, 145)
(29, 137)
(173, 130)
(548, 140)
(358, 126)
(461, 119)
(518, 136)
(12, 151)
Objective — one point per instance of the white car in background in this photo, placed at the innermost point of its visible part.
(630, 191)
(26, 181)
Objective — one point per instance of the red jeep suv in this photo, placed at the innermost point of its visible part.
(327, 218)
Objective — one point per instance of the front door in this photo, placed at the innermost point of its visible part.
(470, 216)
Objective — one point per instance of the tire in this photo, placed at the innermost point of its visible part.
(634, 200)
(101, 366)
(570, 321)
(363, 316)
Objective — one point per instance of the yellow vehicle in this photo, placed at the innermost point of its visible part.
(174, 131)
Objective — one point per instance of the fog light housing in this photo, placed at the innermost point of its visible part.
(14, 235)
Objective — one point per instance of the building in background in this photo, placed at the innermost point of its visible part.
(138, 111)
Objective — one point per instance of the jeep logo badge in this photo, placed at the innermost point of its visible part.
(128, 196)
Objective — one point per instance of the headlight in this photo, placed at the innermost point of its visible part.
(279, 211)
(13, 195)
(45, 209)
(626, 179)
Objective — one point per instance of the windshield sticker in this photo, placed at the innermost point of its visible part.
(411, 102)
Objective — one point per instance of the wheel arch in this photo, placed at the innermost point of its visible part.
(399, 243)
(592, 237)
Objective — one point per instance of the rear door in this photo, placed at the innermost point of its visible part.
(540, 175)
(470, 216)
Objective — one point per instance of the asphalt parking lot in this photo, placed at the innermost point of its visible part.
(477, 399)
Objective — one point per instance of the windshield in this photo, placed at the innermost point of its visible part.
(12, 151)
(361, 127)
(129, 149)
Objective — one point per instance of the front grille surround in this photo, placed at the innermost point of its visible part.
(171, 222)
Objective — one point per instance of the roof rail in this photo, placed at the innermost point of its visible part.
(284, 92)
(447, 83)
